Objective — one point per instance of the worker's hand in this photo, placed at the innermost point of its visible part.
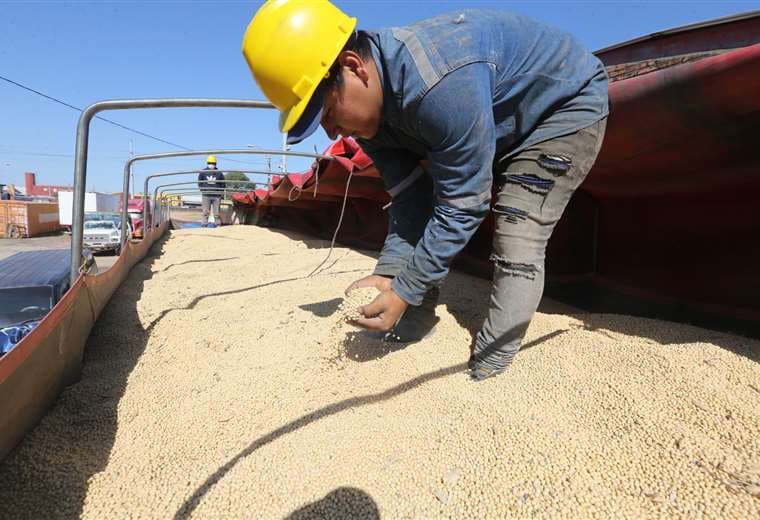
(381, 283)
(383, 312)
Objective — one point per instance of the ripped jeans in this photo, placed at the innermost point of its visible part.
(533, 189)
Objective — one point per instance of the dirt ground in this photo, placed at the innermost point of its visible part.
(221, 382)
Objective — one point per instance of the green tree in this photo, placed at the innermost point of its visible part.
(235, 186)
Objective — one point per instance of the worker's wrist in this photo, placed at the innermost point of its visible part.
(410, 293)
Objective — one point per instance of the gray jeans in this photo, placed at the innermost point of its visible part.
(534, 188)
(210, 203)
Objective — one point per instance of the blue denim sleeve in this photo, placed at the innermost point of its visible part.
(455, 119)
(408, 216)
(395, 164)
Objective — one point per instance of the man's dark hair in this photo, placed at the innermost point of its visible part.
(359, 43)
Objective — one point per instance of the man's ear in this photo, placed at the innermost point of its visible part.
(355, 63)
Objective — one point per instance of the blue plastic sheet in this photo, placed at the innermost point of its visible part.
(9, 336)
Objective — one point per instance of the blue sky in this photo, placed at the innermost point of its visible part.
(82, 52)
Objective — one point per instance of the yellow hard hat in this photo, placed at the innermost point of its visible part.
(211, 159)
(290, 46)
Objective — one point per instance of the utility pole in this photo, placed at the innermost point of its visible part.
(285, 148)
(132, 154)
(269, 175)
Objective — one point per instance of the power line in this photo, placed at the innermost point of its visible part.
(119, 125)
(69, 105)
(35, 154)
(6, 151)
(53, 154)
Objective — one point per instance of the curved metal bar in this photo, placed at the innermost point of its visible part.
(190, 153)
(188, 184)
(182, 192)
(225, 181)
(187, 172)
(175, 191)
(82, 144)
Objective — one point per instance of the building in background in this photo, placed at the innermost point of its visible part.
(42, 190)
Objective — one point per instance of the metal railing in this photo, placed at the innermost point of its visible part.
(188, 184)
(82, 148)
(83, 142)
(188, 172)
(166, 209)
(191, 153)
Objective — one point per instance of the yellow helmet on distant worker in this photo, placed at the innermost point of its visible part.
(211, 159)
(290, 46)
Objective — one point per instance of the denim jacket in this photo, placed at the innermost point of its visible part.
(460, 90)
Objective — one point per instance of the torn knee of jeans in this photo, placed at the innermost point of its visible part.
(530, 182)
(510, 214)
(555, 164)
(515, 269)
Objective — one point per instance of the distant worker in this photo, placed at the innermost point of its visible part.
(211, 194)
(508, 114)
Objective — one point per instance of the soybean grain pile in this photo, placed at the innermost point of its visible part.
(219, 382)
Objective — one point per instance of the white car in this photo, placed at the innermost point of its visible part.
(103, 235)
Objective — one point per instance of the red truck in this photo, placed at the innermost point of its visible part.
(135, 211)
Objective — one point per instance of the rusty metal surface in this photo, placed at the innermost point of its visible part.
(725, 33)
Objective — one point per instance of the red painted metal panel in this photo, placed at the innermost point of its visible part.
(729, 33)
